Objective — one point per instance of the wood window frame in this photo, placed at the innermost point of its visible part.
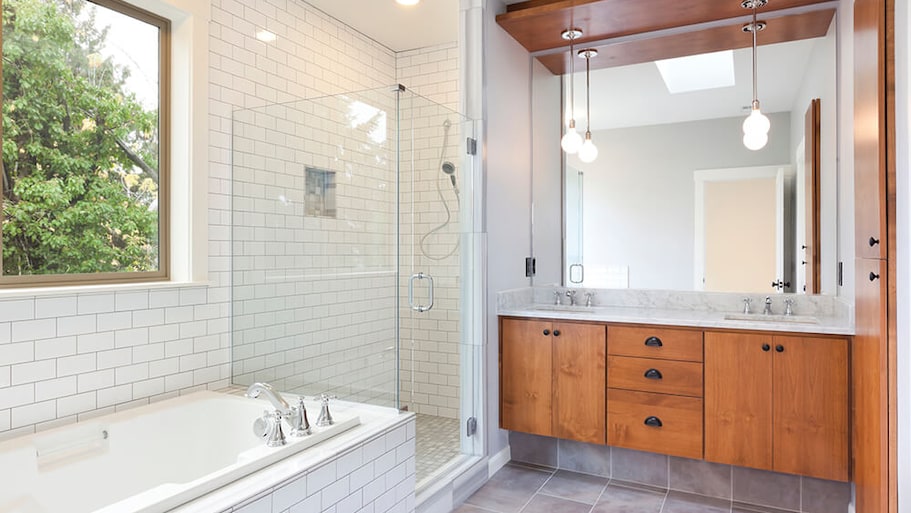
(164, 179)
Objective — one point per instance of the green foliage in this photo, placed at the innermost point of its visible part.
(79, 151)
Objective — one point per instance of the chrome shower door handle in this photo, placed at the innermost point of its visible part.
(573, 274)
(420, 276)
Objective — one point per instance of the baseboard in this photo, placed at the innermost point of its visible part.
(498, 461)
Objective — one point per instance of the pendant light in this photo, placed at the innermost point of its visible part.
(756, 126)
(588, 152)
(571, 140)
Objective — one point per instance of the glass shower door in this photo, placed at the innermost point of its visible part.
(434, 163)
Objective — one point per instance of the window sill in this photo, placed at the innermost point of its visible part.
(75, 290)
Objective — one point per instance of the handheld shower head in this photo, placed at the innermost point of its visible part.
(449, 170)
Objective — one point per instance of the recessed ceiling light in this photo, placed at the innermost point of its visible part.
(407, 2)
(698, 72)
(266, 36)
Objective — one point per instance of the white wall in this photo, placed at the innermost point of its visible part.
(903, 168)
(845, 21)
(820, 81)
(639, 205)
(507, 149)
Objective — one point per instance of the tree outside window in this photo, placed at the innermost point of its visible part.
(84, 177)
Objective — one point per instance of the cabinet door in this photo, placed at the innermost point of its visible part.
(869, 389)
(738, 399)
(579, 381)
(870, 128)
(526, 393)
(810, 398)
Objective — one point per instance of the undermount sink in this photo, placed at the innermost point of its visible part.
(563, 308)
(755, 317)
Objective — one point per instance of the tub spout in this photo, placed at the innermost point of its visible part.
(273, 396)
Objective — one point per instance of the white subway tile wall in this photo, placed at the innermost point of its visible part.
(76, 356)
(430, 340)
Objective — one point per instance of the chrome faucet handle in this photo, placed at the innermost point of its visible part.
(788, 306)
(325, 418)
(269, 426)
(746, 305)
(557, 297)
(767, 310)
(300, 425)
(571, 294)
(588, 298)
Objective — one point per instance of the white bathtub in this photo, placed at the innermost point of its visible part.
(149, 459)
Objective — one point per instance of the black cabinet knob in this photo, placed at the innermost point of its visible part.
(546, 332)
(653, 374)
(766, 347)
(556, 333)
(653, 422)
(653, 342)
(873, 276)
(873, 241)
(779, 348)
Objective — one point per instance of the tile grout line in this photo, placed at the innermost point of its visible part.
(533, 495)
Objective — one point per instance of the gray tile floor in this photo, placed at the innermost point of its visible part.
(437, 443)
(520, 489)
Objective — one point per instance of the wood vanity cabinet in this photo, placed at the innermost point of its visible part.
(552, 378)
(777, 403)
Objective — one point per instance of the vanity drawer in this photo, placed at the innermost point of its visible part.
(653, 375)
(650, 342)
(661, 423)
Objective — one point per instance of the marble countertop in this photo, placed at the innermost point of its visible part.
(815, 324)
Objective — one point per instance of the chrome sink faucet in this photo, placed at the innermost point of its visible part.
(767, 310)
(571, 294)
(788, 307)
(588, 298)
(557, 301)
(274, 397)
(746, 305)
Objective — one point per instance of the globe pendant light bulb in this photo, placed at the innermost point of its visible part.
(756, 122)
(571, 140)
(755, 141)
(588, 152)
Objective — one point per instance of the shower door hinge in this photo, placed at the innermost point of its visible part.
(530, 267)
(471, 146)
(471, 427)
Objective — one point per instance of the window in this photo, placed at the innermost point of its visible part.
(84, 143)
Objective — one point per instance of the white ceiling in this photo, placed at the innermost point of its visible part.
(637, 96)
(398, 27)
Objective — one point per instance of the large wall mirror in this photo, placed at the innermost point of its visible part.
(674, 200)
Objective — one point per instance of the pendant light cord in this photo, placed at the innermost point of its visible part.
(572, 75)
(588, 95)
(754, 30)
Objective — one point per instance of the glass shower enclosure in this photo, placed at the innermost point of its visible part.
(349, 274)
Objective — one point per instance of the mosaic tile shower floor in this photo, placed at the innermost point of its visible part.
(437, 443)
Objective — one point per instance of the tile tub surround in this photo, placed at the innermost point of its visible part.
(680, 308)
(368, 469)
(721, 486)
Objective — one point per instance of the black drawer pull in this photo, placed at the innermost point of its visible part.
(653, 422)
(556, 333)
(779, 348)
(653, 374)
(546, 332)
(873, 276)
(873, 242)
(653, 342)
(766, 347)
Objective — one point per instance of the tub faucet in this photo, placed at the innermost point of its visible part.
(273, 396)
(767, 310)
(325, 418)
